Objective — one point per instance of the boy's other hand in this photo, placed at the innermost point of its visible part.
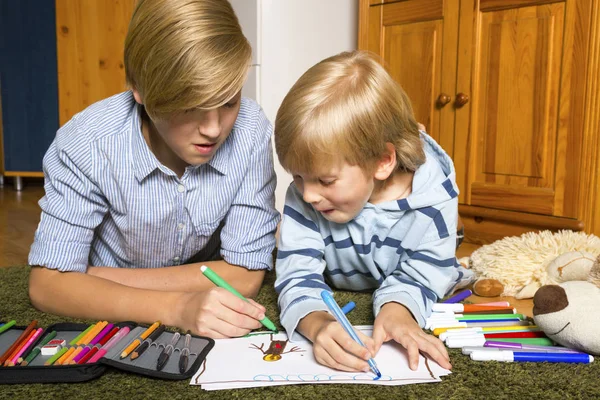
(217, 313)
(395, 322)
(332, 346)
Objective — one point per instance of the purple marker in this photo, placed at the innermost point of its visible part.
(458, 297)
(525, 347)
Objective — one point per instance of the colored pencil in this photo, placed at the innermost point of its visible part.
(30, 341)
(17, 343)
(133, 345)
(38, 349)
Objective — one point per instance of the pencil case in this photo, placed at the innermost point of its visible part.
(145, 364)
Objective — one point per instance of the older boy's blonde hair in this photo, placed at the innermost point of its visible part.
(185, 54)
(346, 108)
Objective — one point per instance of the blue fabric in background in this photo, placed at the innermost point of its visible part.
(28, 82)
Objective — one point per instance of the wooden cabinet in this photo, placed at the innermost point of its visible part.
(510, 89)
(57, 58)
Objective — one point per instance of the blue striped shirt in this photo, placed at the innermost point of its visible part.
(110, 202)
(403, 250)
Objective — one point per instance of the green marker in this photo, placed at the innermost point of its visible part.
(34, 353)
(534, 341)
(82, 334)
(7, 325)
(217, 280)
(55, 357)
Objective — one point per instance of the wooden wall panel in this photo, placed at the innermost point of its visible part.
(90, 41)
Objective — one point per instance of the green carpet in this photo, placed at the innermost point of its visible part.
(469, 380)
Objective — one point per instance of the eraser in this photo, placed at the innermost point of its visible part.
(57, 342)
(49, 350)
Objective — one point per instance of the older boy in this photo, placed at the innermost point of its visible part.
(176, 170)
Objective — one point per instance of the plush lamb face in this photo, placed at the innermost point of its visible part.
(569, 314)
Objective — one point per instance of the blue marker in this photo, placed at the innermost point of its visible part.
(341, 318)
(524, 356)
(348, 307)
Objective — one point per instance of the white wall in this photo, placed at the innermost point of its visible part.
(295, 35)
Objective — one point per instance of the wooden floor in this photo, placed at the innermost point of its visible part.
(19, 218)
(20, 215)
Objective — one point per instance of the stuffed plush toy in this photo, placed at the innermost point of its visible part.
(519, 266)
(569, 313)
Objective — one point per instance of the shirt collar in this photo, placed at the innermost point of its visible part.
(144, 161)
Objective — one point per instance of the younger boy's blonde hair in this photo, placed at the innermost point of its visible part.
(346, 108)
(185, 54)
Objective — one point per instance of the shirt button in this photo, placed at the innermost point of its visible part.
(176, 259)
(180, 226)
(181, 188)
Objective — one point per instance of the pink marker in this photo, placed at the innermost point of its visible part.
(118, 336)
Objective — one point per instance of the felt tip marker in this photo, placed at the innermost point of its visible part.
(523, 356)
(458, 297)
(469, 349)
(527, 347)
(459, 307)
(217, 280)
(341, 318)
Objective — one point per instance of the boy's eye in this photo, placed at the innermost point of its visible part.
(327, 182)
(231, 104)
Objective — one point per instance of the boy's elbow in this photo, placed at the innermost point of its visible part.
(251, 286)
(39, 287)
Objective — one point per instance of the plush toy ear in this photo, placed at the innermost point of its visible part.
(595, 273)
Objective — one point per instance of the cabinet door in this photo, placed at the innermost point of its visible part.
(524, 140)
(28, 85)
(417, 40)
(90, 44)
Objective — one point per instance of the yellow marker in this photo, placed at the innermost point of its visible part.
(133, 345)
(519, 328)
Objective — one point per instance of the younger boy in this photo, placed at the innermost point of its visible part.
(373, 205)
(177, 170)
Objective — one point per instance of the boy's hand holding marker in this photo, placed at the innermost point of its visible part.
(222, 312)
(333, 347)
(216, 313)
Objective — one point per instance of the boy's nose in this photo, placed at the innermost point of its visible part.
(210, 125)
(310, 195)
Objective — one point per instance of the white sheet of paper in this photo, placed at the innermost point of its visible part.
(244, 362)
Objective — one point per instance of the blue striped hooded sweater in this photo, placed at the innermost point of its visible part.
(403, 250)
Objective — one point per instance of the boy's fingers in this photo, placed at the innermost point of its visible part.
(347, 361)
(378, 337)
(323, 357)
(258, 305)
(413, 354)
(238, 305)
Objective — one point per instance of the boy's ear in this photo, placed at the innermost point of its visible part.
(387, 163)
(137, 96)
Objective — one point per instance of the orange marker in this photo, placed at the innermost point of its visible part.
(62, 359)
(73, 355)
(92, 333)
(133, 345)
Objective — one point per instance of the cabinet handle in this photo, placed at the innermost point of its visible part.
(461, 100)
(443, 99)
